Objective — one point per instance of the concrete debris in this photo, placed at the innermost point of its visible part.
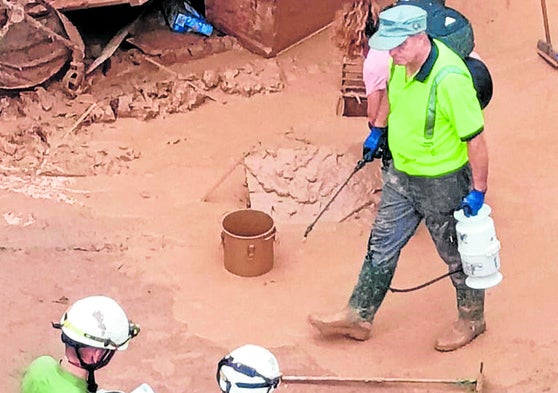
(34, 104)
(8, 109)
(163, 98)
(45, 99)
(211, 79)
(48, 115)
(28, 150)
(257, 77)
(150, 100)
(183, 47)
(102, 114)
(24, 147)
(293, 185)
(70, 161)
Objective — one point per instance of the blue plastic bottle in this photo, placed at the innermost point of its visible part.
(183, 18)
(186, 23)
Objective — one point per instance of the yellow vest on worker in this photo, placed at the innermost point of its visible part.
(432, 115)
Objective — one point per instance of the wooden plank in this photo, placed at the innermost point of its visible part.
(352, 82)
(352, 75)
(113, 44)
(352, 67)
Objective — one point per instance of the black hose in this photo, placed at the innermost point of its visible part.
(426, 283)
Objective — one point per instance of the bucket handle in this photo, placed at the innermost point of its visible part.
(271, 234)
(251, 249)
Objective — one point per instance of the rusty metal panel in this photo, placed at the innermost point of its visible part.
(267, 27)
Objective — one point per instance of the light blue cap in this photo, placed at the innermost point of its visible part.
(396, 25)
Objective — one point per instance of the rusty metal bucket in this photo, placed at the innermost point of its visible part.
(248, 239)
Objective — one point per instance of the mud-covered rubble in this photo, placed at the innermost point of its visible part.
(32, 150)
(294, 185)
(187, 92)
(260, 77)
(25, 147)
(45, 140)
(182, 47)
(176, 94)
(87, 160)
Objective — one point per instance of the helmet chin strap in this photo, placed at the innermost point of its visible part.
(91, 384)
(268, 383)
(89, 367)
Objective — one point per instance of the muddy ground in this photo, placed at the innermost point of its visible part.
(126, 204)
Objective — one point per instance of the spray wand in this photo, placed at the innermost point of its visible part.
(360, 164)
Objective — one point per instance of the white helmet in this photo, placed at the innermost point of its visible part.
(98, 321)
(248, 369)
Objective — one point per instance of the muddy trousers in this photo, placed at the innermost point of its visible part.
(406, 201)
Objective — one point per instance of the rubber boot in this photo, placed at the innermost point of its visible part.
(470, 324)
(459, 334)
(346, 323)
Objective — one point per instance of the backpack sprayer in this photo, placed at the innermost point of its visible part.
(479, 248)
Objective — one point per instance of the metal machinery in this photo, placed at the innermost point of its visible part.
(37, 41)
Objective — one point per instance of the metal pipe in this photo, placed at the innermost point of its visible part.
(330, 379)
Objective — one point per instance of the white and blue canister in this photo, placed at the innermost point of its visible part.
(187, 22)
(479, 248)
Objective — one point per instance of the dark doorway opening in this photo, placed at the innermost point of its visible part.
(199, 5)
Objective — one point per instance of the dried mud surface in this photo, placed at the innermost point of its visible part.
(129, 203)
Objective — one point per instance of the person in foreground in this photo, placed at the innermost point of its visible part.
(93, 329)
(248, 369)
(439, 164)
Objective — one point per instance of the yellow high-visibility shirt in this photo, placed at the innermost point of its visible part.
(45, 375)
(432, 115)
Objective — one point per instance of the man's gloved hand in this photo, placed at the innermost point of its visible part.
(374, 144)
(472, 203)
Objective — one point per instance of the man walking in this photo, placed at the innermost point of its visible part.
(439, 164)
